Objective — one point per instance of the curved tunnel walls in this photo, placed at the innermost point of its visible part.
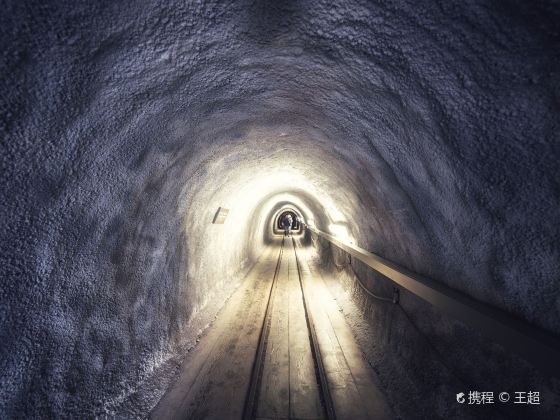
(428, 130)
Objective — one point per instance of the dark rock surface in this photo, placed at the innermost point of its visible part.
(428, 129)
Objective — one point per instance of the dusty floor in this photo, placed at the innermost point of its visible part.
(215, 377)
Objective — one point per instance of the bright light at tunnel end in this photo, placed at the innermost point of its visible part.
(341, 232)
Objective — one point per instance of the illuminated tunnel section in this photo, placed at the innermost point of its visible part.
(424, 132)
(296, 217)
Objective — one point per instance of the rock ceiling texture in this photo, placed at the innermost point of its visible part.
(429, 130)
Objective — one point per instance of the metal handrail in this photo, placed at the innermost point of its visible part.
(535, 345)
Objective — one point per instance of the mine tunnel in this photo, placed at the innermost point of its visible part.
(150, 149)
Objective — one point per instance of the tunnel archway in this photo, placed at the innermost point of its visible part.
(414, 130)
(297, 218)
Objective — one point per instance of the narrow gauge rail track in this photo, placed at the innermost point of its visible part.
(251, 402)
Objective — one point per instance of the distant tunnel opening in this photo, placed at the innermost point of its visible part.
(296, 227)
(295, 220)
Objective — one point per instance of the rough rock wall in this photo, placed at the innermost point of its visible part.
(431, 127)
(423, 357)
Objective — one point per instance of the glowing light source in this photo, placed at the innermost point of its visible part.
(220, 216)
(341, 232)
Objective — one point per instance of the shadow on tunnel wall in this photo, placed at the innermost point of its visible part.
(270, 19)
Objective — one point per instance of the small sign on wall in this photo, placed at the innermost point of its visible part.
(220, 216)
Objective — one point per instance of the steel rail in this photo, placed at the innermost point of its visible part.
(315, 349)
(250, 407)
(539, 347)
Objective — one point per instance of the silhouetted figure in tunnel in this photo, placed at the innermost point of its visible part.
(287, 224)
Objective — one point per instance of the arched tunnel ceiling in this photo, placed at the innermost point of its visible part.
(430, 128)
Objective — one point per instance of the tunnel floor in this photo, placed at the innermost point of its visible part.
(279, 349)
